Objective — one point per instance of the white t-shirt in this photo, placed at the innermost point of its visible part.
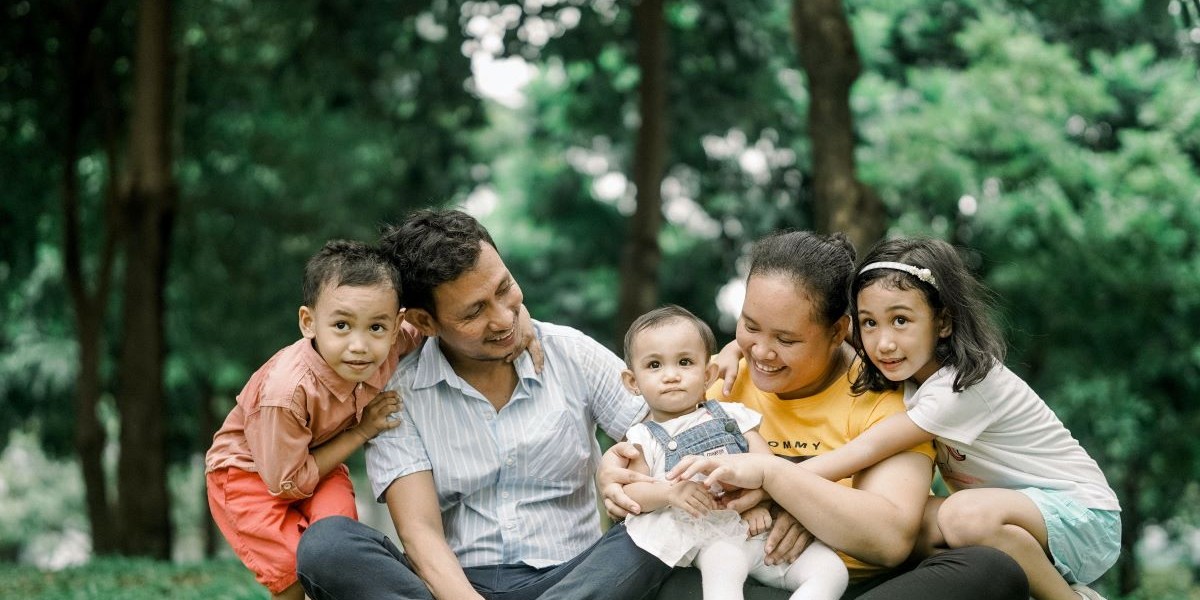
(656, 455)
(1000, 433)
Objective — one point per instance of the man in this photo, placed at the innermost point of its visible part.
(489, 477)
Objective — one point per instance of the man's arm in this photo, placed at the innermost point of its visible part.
(412, 502)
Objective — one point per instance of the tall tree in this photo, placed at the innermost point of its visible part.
(147, 205)
(830, 59)
(641, 255)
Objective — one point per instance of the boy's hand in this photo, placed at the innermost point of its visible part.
(378, 415)
(727, 364)
(691, 497)
(758, 519)
(527, 340)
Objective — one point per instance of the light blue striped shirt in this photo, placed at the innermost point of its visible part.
(515, 485)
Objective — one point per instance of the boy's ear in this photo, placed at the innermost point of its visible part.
(422, 320)
(630, 382)
(306, 323)
(710, 374)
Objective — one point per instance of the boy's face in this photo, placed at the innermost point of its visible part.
(353, 328)
(670, 369)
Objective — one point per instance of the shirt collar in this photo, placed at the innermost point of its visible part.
(433, 368)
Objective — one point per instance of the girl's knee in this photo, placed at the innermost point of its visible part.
(961, 522)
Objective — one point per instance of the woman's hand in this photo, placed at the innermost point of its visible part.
(788, 538)
(527, 340)
(613, 474)
(727, 364)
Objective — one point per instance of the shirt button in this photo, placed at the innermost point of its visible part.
(510, 526)
(510, 462)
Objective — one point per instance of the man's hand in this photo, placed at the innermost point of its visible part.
(691, 497)
(612, 476)
(378, 415)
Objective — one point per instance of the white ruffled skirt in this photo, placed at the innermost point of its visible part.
(675, 536)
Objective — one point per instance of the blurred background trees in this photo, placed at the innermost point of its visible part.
(1057, 143)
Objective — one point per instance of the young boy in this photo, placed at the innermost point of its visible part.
(275, 466)
(667, 353)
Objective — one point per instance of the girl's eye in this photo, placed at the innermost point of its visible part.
(900, 321)
(866, 323)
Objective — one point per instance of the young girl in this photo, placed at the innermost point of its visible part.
(667, 354)
(1019, 481)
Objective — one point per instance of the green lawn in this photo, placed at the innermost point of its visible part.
(130, 579)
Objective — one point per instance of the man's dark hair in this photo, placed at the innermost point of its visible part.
(347, 262)
(432, 247)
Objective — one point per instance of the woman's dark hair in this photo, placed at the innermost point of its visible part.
(974, 346)
(432, 247)
(820, 265)
(346, 262)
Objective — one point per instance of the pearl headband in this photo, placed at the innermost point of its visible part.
(920, 273)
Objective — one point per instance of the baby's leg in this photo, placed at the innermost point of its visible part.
(1010, 522)
(723, 564)
(818, 574)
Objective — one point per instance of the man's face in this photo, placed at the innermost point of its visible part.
(476, 313)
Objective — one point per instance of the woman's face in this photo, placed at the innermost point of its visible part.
(787, 351)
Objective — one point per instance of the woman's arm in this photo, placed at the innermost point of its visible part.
(412, 502)
(891, 436)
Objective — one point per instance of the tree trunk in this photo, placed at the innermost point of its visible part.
(641, 257)
(89, 306)
(148, 208)
(831, 61)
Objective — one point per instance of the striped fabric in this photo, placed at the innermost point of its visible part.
(514, 486)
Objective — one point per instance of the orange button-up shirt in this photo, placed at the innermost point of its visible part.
(293, 403)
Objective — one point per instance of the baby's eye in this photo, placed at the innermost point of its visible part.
(654, 364)
(686, 362)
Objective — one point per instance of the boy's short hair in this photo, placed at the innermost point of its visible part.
(348, 262)
(432, 247)
(662, 315)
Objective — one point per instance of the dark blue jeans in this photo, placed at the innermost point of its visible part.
(972, 573)
(342, 559)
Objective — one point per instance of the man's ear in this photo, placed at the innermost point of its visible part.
(422, 320)
(630, 382)
(396, 326)
(306, 323)
(710, 374)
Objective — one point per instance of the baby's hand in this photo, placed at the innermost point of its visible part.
(691, 497)
(381, 414)
(758, 519)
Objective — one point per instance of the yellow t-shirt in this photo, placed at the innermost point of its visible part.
(806, 427)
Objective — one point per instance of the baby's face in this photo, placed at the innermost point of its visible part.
(670, 368)
(353, 328)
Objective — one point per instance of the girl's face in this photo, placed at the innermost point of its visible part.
(788, 353)
(899, 331)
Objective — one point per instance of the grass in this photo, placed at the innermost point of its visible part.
(132, 579)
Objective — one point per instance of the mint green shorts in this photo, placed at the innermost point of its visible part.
(1084, 542)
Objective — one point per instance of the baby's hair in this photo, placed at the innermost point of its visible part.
(661, 316)
(347, 262)
(820, 265)
(432, 247)
(975, 344)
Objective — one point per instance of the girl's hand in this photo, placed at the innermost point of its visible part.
(730, 471)
(758, 519)
(727, 364)
(612, 475)
(382, 413)
(527, 340)
(691, 497)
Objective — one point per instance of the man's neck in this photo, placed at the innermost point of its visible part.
(493, 378)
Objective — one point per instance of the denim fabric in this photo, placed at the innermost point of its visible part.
(721, 432)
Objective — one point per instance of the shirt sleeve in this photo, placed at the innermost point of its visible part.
(279, 438)
(614, 408)
(886, 405)
(395, 453)
(651, 449)
(959, 417)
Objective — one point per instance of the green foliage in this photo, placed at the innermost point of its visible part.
(133, 579)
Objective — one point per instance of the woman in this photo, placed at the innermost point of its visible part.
(796, 371)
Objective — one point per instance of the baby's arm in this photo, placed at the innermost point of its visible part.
(891, 436)
(688, 496)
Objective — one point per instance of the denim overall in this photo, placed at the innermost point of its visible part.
(704, 439)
